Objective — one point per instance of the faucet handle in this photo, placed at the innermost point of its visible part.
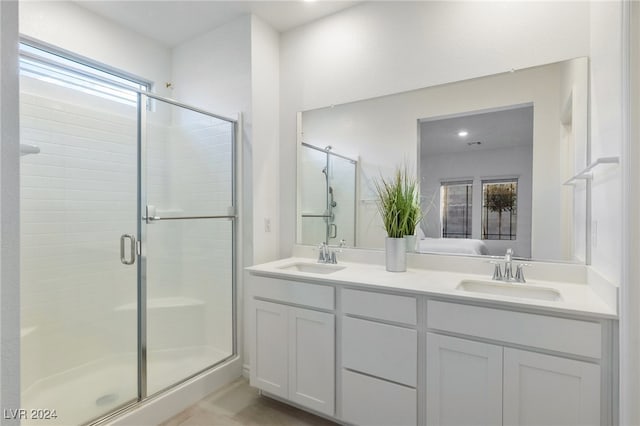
(322, 252)
(497, 271)
(520, 272)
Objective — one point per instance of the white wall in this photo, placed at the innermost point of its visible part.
(9, 213)
(213, 70)
(380, 48)
(265, 69)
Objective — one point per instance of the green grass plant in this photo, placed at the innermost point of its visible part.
(398, 203)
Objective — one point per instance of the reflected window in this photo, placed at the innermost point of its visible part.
(499, 209)
(456, 205)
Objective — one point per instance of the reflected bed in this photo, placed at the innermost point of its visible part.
(452, 245)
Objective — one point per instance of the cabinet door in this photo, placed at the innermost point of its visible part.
(549, 390)
(269, 351)
(464, 382)
(312, 359)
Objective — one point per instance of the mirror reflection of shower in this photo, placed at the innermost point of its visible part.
(329, 216)
(327, 196)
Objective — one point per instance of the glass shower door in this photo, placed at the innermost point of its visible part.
(342, 199)
(313, 196)
(188, 250)
(78, 197)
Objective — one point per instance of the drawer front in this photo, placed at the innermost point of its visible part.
(557, 334)
(371, 402)
(381, 350)
(381, 306)
(299, 293)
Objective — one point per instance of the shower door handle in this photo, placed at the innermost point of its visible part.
(132, 249)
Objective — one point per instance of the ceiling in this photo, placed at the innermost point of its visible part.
(495, 130)
(174, 22)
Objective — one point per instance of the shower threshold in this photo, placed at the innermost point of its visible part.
(98, 388)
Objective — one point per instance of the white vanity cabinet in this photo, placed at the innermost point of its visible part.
(293, 348)
(380, 355)
(474, 382)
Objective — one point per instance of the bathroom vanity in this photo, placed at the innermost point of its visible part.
(363, 346)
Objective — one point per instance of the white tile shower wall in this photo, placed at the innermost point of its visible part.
(77, 197)
(202, 162)
(191, 258)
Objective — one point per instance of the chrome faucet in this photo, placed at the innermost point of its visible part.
(325, 255)
(508, 276)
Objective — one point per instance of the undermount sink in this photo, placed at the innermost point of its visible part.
(312, 268)
(523, 291)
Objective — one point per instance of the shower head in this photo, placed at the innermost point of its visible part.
(324, 170)
(328, 148)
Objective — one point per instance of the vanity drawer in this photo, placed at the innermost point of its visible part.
(295, 292)
(381, 306)
(546, 332)
(369, 401)
(381, 350)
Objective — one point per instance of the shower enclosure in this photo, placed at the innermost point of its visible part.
(127, 241)
(327, 196)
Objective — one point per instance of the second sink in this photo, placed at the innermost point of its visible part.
(313, 268)
(523, 291)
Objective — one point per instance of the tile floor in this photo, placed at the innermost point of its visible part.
(239, 404)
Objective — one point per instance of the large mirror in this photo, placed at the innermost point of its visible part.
(494, 157)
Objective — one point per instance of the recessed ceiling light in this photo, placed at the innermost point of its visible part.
(463, 133)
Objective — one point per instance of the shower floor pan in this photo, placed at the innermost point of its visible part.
(92, 390)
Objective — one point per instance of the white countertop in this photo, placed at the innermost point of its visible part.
(577, 298)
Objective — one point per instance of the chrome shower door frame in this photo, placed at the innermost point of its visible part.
(144, 102)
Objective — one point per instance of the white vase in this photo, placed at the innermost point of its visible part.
(411, 243)
(395, 254)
